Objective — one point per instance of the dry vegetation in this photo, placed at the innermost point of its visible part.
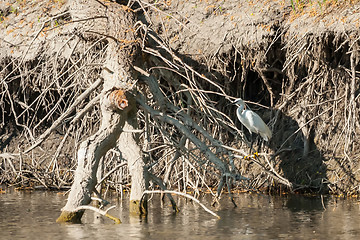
(296, 62)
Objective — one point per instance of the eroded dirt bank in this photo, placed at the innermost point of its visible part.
(299, 64)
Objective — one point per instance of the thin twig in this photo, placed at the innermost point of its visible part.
(181, 194)
(60, 120)
(102, 212)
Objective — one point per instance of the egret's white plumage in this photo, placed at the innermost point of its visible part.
(252, 121)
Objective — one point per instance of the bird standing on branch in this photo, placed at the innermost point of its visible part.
(252, 121)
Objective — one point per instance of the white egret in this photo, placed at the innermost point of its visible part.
(252, 121)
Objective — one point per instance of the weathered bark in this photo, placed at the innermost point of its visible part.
(89, 154)
(128, 144)
(115, 109)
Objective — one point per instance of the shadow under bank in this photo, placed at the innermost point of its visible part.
(307, 172)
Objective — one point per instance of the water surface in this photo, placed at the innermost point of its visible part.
(32, 215)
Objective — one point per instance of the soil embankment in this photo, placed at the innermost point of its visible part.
(299, 63)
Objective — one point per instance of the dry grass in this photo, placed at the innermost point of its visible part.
(319, 7)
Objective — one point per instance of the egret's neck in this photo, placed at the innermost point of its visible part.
(241, 107)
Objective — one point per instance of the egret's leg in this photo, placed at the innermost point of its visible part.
(251, 144)
(259, 142)
(256, 152)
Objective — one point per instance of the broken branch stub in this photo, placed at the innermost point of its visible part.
(118, 99)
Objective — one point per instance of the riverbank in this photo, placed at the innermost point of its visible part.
(296, 65)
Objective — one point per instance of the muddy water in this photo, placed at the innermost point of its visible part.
(32, 215)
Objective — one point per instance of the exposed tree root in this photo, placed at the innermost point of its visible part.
(303, 81)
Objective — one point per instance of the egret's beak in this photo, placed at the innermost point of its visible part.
(230, 103)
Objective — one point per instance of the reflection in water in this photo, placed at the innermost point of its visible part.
(32, 215)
